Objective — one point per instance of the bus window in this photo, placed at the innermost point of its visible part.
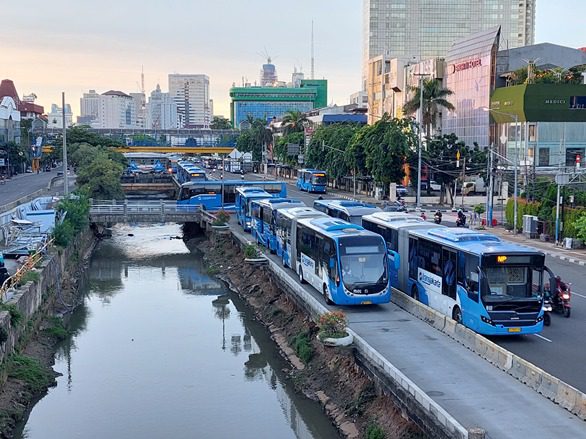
(430, 257)
(413, 258)
(449, 273)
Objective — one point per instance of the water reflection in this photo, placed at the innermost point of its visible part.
(148, 359)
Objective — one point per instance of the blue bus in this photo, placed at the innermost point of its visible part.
(312, 180)
(347, 210)
(264, 214)
(208, 194)
(286, 231)
(244, 197)
(490, 286)
(391, 225)
(343, 261)
(187, 171)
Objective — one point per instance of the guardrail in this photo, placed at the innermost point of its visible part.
(30, 263)
(145, 211)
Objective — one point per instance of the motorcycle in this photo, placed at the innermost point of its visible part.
(437, 218)
(461, 221)
(561, 301)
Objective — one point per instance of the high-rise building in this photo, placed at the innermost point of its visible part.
(268, 74)
(55, 117)
(161, 111)
(421, 29)
(192, 96)
(139, 103)
(116, 110)
(89, 105)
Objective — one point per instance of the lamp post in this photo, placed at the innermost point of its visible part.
(516, 164)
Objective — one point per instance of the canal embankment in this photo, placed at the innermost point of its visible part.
(31, 324)
(332, 376)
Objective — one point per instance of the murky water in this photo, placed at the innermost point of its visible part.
(162, 350)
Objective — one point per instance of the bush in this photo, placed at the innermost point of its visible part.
(29, 276)
(374, 431)
(251, 252)
(31, 371)
(15, 314)
(302, 345)
(57, 329)
(222, 218)
(479, 208)
(63, 234)
(580, 226)
(332, 325)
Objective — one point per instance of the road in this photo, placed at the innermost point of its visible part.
(558, 349)
(24, 184)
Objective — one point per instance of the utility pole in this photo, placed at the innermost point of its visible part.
(463, 178)
(490, 189)
(420, 143)
(65, 176)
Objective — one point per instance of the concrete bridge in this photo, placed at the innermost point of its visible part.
(124, 211)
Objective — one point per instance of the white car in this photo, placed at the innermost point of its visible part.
(435, 186)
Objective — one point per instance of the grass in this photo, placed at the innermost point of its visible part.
(57, 329)
(374, 431)
(212, 271)
(303, 347)
(31, 371)
(29, 276)
(15, 314)
(251, 252)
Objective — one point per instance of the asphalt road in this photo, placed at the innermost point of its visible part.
(558, 349)
(24, 184)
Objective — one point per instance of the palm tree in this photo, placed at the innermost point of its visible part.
(293, 121)
(434, 98)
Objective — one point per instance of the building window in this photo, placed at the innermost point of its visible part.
(543, 156)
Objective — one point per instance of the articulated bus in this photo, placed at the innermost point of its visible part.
(312, 180)
(394, 228)
(347, 210)
(286, 231)
(244, 197)
(492, 287)
(264, 214)
(208, 194)
(343, 261)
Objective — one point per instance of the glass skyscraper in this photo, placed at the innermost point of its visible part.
(413, 30)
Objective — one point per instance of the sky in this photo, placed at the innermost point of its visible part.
(78, 45)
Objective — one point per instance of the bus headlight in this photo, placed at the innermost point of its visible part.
(487, 320)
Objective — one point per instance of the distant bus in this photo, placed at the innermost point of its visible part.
(244, 197)
(208, 194)
(264, 216)
(312, 180)
(347, 210)
(343, 261)
(187, 171)
(394, 228)
(491, 286)
(286, 231)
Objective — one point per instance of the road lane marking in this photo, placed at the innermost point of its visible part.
(543, 338)
(578, 294)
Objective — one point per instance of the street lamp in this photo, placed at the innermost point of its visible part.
(516, 164)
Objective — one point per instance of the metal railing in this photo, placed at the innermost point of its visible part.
(155, 209)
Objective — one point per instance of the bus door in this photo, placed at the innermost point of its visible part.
(449, 284)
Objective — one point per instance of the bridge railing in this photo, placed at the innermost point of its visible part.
(155, 208)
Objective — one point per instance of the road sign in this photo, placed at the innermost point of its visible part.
(562, 179)
(292, 149)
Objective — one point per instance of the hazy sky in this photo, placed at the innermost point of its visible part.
(74, 46)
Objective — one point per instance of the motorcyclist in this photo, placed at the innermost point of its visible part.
(438, 213)
(461, 217)
(560, 287)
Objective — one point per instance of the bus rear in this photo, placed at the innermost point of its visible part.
(244, 198)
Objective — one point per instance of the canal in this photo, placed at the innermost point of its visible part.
(161, 349)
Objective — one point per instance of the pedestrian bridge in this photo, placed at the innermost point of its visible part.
(125, 211)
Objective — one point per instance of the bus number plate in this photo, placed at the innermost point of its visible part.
(514, 329)
(367, 302)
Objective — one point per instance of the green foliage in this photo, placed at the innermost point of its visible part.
(253, 139)
(434, 99)
(293, 121)
(302, 346)
(57, 329)
(571, 216)
(280, 151)
(332, 325)
(15, 314)
(524, 207)
(251, 252)
(222, 218)
(77, 209)
(63, 234)
(220, 123)
(81, 134)
(374, 431)
(30, 371)
(580, 227)
(479, 208)
(30, 276)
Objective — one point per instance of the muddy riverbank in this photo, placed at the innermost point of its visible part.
(328, 375)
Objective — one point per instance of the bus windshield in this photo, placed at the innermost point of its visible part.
(356, 219)
(511, 282)
(363, 262)
(320, 179)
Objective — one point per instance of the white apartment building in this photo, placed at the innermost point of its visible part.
(55, 117)
(192, 95)
(89, 105)
(161, 111)
(414, 30)
(115, 110)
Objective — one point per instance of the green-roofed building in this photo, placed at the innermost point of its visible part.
(273, 102)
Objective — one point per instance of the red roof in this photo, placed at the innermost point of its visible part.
(7, 88)
(29, 107)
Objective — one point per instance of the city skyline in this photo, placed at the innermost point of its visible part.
(83, 48)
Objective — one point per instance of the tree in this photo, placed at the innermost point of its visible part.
(281, 152)
(220, 123)
(293, 121)
(434, 99)
(82, 134)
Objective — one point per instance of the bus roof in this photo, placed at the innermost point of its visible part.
(239, 183)
(471, 241)
(274, 202)
(302, 212)
(396, 220)
(251, 190)
(334, 227)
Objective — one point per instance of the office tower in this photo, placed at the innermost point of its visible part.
(192, 96)
(414, 30)
(89, 105)
(161, 111)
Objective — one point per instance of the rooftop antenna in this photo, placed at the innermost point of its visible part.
(312, 58)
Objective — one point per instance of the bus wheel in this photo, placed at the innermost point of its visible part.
(415, 292)
(326, 297)
(301, 279)
(457, 314)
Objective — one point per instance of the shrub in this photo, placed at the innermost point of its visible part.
(58, 329)
(29, 370)
(15, 314)
(222, 218)
(251, 252)
(332, 325)
(580, 227)
(29, 276)
(303, 347)
(374, 431)
(479, 208)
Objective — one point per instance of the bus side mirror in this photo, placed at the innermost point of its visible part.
(332, 263)
(396, 258)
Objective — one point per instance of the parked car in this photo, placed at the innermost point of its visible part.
(401, 191)
(433, 185)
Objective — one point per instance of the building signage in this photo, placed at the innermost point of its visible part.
(554, 101)
(466, 65)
